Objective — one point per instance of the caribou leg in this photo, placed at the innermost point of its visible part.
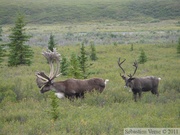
(140, 94)
(135, 96)
(155, 91)
(80, 95)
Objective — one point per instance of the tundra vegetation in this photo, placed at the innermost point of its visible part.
(25, 111)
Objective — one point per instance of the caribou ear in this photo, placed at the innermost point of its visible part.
(123, 77)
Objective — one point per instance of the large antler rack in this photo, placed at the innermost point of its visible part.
(53, 58)
(120, 63)
(136, 66)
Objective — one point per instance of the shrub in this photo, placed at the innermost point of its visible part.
(6, 93)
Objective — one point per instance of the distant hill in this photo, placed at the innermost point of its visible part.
(63, 11)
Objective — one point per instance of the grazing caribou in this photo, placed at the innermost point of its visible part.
(70, 88)
(139, 85)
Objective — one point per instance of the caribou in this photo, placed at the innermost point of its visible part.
(139, 84)
(70, 88)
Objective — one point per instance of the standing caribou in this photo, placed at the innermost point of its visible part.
(70, 88)
(139, 85)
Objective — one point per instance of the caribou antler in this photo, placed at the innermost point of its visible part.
(43, 76)
(136, 66)
(53, 57)
(119, 63)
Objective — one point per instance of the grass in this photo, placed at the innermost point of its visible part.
(105, 113)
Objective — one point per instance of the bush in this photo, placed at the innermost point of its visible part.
(7, 93)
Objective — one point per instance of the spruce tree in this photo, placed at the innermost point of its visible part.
(64, 66)
(74, 68)
(178, 47)
(93, 55)
(132, 47)
(0, 33)
(54, 107)
(19, 53)
(83, 61)
(51, 43)
(82, 58)
(142, 57)
(1, 47)
(1, 53)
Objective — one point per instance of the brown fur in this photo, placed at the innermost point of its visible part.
(143, 84)
(74, 87)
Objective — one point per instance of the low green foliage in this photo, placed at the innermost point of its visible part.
(7, 93)
(108, 112)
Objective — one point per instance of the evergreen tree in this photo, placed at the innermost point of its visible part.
(93, 55)
(178, 47)
(82, 58)
(74, 68)
(142, 57)
(1, 53)
(54, 110)
(51, 43)
(1, 47)
(132, 47)
(83, 61)
(19, 53)
(64, 66)
(0, 33)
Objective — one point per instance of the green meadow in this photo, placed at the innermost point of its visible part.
(25, 111)
(114, 26)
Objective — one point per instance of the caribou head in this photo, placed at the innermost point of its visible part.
(129, 78)
(44, 81)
